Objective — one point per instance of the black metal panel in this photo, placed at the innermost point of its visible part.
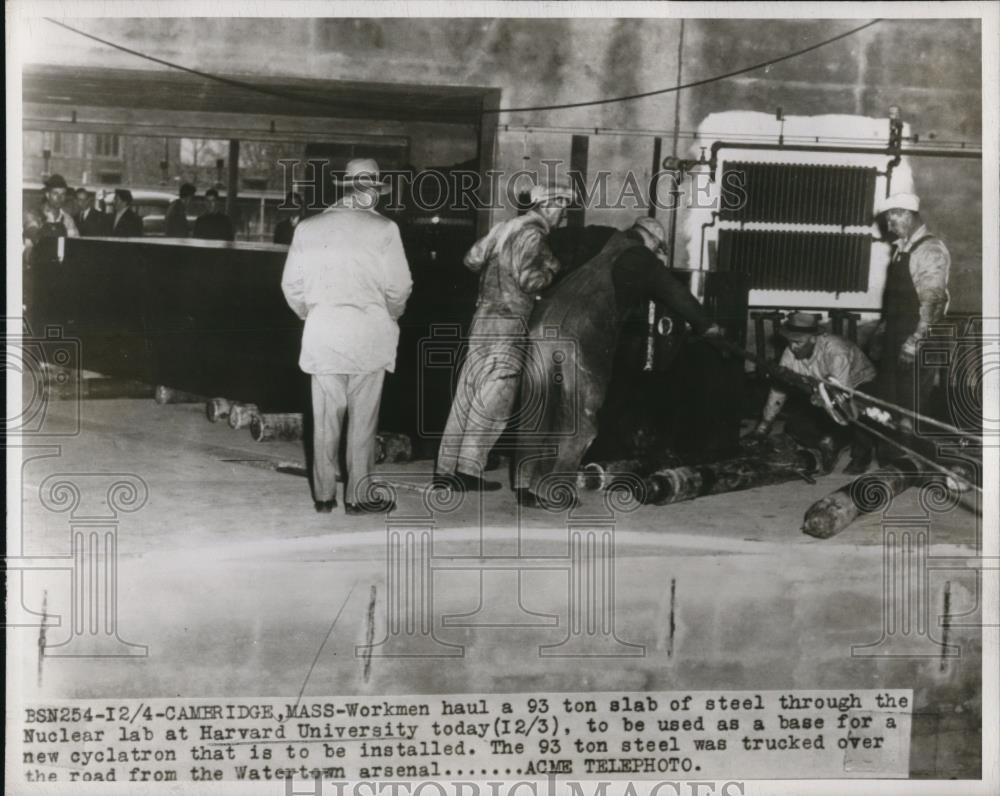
(210, 317)
(778, 260)
(798, 194)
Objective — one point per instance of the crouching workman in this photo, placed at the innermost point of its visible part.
(814, 353)
(514, 264)
(574, 335)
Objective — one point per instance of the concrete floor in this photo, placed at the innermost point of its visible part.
(237, 587)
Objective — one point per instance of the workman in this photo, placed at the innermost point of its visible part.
(574, 335)
(514, 264)
(915, 296)
(816, 354)
(49, 219)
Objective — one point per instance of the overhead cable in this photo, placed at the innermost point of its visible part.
(606, 101)
(693, 84)
(229, 81)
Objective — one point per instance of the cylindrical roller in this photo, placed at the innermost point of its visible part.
(169, 395)
(676, 484)
(269, 427)
(217, 409)
(92, 389)
(240, 415)
(602, 475)
(867, 493)
(391, 447)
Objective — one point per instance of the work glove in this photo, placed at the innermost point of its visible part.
(909, 350)
(759, 433)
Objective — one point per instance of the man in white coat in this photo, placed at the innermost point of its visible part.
(346, 275)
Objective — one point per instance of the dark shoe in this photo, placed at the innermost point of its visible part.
(325, 506)
(563, 502)
(859, 464)
(445, 481)
(381, 506)
(473, 483)
(526, 498)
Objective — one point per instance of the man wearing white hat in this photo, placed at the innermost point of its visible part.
(346, 275)
(514, 264)
(915, 296)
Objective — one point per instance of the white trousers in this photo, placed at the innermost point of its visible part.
(358, 395)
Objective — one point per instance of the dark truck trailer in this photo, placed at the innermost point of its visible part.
(209, 318)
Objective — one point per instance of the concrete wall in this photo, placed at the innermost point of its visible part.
(931, 68)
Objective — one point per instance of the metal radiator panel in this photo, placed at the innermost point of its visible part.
(797, 194)
(835, 262)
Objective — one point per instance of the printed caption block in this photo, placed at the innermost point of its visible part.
(702, 734)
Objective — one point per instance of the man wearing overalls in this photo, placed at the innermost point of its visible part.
(916, 296)
(514, 264)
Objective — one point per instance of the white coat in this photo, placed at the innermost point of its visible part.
(346, 275)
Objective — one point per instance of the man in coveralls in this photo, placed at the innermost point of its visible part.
(915, 296)
(574, 334)
(514, 264)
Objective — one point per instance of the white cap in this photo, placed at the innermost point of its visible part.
(546, 193)
(898, 201)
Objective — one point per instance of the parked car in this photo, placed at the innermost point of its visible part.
(150, 205)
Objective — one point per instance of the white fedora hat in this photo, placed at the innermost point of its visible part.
(898, 201)
(362, 173)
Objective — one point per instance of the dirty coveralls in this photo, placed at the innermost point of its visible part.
(574, 335)
(514, 264)
(916, 296)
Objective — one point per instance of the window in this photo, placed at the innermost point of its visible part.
(107, 145)
(203, 152)
(58, 142)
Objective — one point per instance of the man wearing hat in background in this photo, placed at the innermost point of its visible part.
(915, 296)
(814, 353)
(347, 277)
(514, 263)
(50, 219)
(42, 227)
(176, 222)
(571, 372)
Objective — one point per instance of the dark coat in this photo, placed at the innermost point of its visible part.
(283, 231)
(96, 224)
(128, 226)
(574, 334)
(214, 226)
(175, 223)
